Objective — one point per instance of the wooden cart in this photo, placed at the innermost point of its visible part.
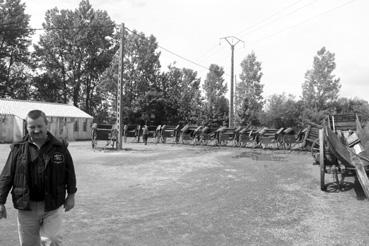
(103, 133)
(225, 136)
(342, 154)
(186, 133)
(270, 138)
(208, 135)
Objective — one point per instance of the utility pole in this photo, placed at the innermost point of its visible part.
(232, 41)
(120, 88)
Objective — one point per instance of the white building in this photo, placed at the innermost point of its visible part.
(65, 121)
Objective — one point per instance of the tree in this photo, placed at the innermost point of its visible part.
(190, 100)
(141, 76)
(48, 87)
(75, 50)
(354, 105)
(281, 111)
(248, 98)
(142, 69)
(321, 87)
(15, 36)
(215, 90)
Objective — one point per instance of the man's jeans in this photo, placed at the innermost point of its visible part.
(37, 225)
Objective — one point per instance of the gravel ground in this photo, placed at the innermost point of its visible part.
(169, 194)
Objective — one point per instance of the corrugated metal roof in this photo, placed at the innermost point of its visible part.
(21, 108)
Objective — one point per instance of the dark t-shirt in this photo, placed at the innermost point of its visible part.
(36, 169)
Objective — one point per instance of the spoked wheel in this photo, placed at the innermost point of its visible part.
(280, 144)
(286, 143)
(335, 177)
(315, 151)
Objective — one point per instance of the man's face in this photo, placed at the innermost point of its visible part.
(37, 128)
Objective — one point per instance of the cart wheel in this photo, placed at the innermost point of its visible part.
(280, 142)
(315, 151)
(336, 178)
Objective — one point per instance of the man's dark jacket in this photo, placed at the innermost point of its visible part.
(59, 174)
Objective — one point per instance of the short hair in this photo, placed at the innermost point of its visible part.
(35, 114)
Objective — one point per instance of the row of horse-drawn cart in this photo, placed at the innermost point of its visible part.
(242, 136)
(339, 145)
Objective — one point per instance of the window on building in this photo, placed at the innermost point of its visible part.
(76, 126)
(85, 125)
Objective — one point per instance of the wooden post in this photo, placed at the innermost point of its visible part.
(321, 145)
(321, 159)
(120, 89)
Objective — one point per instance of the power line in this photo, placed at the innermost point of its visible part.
(265, 21)
(180, 56)
(269, 17)
(304, 21)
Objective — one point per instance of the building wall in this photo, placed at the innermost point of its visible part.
(6, 128)
(71, 129)
(18, 129)
(81, 128)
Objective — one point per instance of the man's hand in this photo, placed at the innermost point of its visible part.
(69, 202)
(2, 211)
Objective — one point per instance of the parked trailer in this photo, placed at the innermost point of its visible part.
(208, 135)
(103, 133)
(225, 136)
(196, 135)
(247, 137)
(292, 139)
(269, 138)
(187, 133)
(168, 131)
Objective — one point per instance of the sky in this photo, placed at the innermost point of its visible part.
(285, 35)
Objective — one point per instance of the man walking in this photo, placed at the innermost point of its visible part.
(145, 134)
(39, 172)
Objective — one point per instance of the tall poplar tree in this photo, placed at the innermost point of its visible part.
(248, 97)
(321, 87)
(216, 104)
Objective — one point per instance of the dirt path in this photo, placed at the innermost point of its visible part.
(185, 195)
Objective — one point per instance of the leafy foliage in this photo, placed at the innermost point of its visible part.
(74, 51)
(248, 98)
(216, 106)
(345, 105)
(281, 111)
(321, 87)
(140, 77)
(14, 56)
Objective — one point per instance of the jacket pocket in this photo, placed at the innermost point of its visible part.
(20, 196)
